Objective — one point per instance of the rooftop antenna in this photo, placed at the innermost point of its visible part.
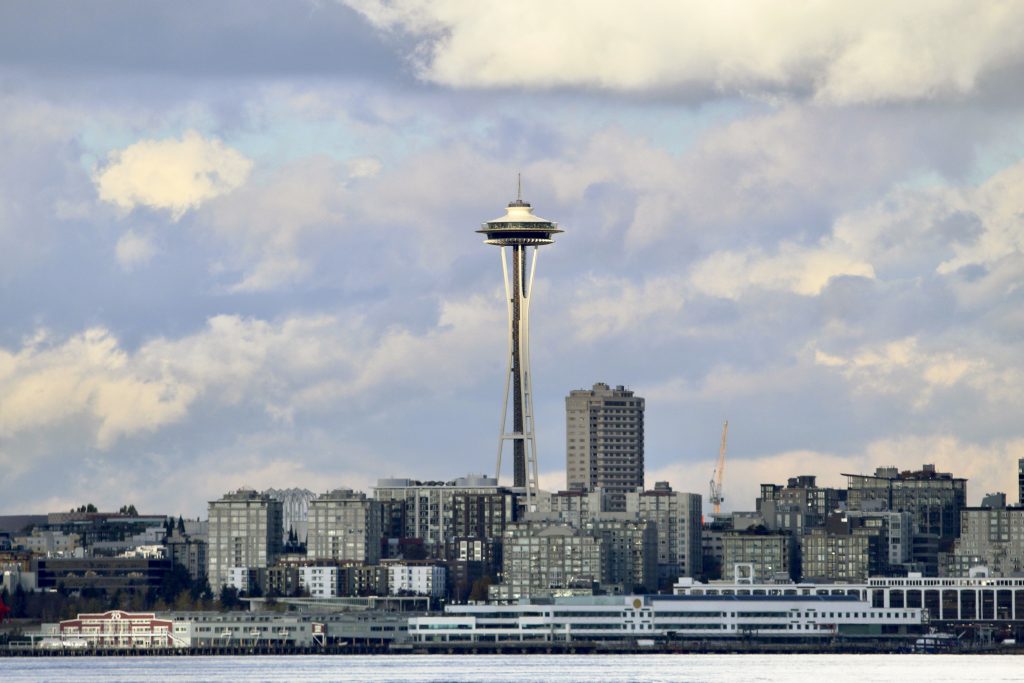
(519, 192)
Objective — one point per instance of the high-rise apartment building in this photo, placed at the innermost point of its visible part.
(345, 525)
(438, 511)
(604, 441)
(1020, 481)
(992, 537)
(245, 532)
(544, 558)
(677, 518)
(799, 505)
(935, 498)
(769, 554)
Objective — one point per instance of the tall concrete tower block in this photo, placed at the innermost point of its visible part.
(604, 441)
(519, 233)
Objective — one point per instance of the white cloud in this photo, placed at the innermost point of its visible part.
(999, 205)
(905, 366)
(88, 375)
(134, 250)
(266, 224)
(605, 305)
(172, 174)
(794, 268)
(91, 382)
(843, 53)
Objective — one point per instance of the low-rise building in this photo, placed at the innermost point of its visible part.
(416, 578)
(634, 617)
(100, 573)
(114, 629)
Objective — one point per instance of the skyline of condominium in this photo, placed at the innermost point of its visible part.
(604, 441)
(245, 531)
(345, 525)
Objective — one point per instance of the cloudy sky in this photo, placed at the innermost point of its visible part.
(237, 239)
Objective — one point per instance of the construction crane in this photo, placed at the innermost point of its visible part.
(719, 471)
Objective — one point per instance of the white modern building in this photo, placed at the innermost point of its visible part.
(407, 578)
(320, 582)
(977, 597)
(632, 617)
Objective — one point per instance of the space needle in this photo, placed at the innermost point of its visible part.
(519, 233)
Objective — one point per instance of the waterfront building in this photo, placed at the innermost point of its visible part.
(632, 617)
(989, 537)
(519, 233)
(345, 525)
(245, 531)
(951, 601)
(604, 434)
(677, 519)
(114, 629)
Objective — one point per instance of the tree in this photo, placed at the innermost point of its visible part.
(480, 586)
(19, 603)
(173, 583)
(229, 597)
(181, 525)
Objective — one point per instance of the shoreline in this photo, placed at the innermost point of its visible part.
(509, 648)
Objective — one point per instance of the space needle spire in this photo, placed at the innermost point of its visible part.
(519, 233)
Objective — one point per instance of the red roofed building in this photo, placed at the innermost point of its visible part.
(119, 629)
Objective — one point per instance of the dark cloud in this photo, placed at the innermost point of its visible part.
(194, 38)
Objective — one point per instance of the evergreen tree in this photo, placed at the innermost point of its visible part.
(228, 597)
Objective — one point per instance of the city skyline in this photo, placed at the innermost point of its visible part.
(237, 247)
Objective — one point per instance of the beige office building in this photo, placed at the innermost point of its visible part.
(604, 442)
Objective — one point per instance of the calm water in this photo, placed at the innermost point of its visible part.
(501, 668)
